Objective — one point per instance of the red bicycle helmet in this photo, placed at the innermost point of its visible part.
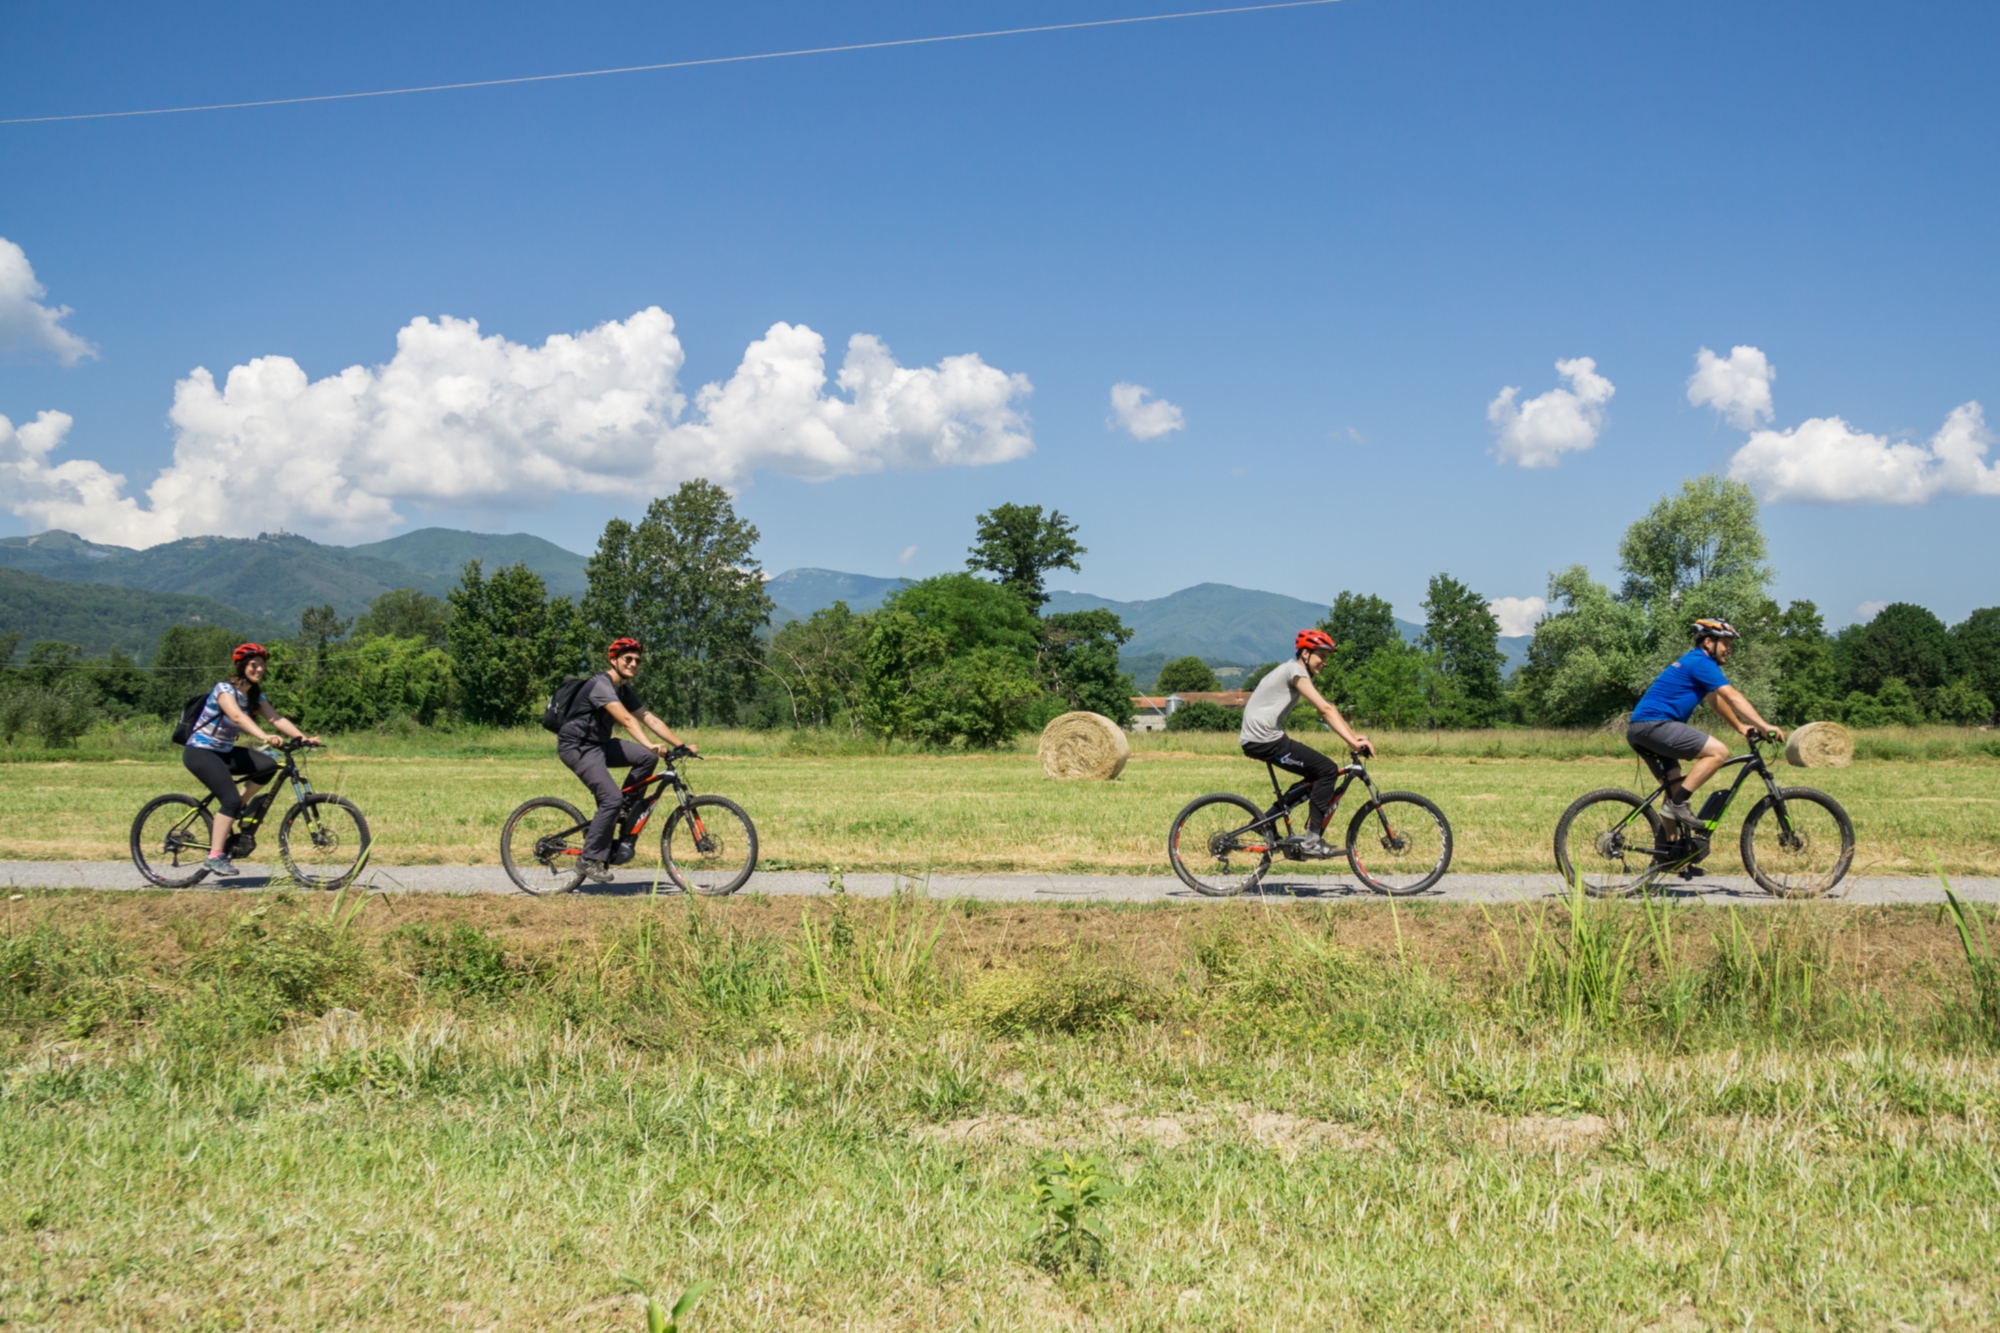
(245, 651)
(619, 647)
(1313, 638)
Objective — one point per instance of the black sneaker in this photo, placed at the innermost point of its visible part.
(1315, 848)
(596, 870)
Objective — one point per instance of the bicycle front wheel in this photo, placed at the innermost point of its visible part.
(541, 844)
(1406, 841)
(1605, 843)
(709, 846)
(170, 840)
(1213, 849)
(1800, 848)
(323, 841)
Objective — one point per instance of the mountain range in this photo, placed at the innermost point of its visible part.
(260, 585)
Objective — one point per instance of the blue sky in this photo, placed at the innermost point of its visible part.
(1330, 236)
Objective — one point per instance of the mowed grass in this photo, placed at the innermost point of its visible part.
(912, 813)
(482, 1114)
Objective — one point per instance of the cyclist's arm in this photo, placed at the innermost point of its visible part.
(283, 724)
(1740, 713)
(657, 725)
(636, 729)
(234, 712)
(1310, 693)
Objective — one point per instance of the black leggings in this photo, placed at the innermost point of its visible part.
(593, 764)
(218, 770)
(1307, 762)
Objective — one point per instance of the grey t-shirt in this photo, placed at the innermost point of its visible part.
(1264, 715)
(593, 728)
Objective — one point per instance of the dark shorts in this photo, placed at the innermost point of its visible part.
(1668, 740)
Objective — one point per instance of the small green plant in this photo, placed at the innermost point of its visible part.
(1579, 974)
(1068, 1193)
(1979, 957)
(660, 1319)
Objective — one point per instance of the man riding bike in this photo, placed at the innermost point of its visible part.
(234, 706)
(589, 750)
(1658, 726)
(1263, 736)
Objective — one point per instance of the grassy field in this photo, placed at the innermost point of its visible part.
(821, 803)
(491, 1114)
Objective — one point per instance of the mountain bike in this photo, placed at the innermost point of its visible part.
(1221, 844)
(1797, 842)
(322, 840)
(709, 845)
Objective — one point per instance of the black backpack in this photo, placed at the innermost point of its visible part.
(190, 714)
(562, 704)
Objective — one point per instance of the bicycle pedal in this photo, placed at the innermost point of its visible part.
(1691, 872)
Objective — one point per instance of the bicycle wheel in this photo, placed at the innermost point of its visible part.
(541, 844)
(323, 841)
(1605, 843)
(1799, 850)
(170, 840)
(710, 850)
(1212, 848)
(1407, 841)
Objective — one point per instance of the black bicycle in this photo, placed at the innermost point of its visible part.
(1797, 842)
(709, 845)
(1221, 844)
(322, 840)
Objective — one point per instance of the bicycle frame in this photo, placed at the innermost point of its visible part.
(259, 805)
(1750, 763)
(1292, 797)
(666, 777)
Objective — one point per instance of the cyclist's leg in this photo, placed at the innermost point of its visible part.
(640, 762)
(212, 769)
(1675, 742)
(1307, 762)
(255, 769)
(588, 763)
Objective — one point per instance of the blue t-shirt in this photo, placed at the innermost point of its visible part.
(1680, 689)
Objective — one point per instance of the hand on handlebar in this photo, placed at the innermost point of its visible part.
(1363, 747)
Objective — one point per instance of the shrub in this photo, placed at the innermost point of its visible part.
(1202, 715)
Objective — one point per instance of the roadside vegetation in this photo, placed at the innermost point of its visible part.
(916, 1114)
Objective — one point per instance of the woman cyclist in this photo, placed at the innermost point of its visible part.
(234, 706)
(1263, 736)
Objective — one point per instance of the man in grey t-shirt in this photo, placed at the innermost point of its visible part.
(585, 744)
(1263, 736)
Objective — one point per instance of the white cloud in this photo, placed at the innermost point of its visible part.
(26, 325)
(1130, 412)
(1828, 461)
(460, 418)
(1869, 610)
(908, 554)
(1517, 615)
(1539, 432)
(1738, 387)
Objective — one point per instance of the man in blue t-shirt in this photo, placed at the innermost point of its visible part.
(1659, 720)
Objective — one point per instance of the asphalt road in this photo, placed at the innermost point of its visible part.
(1859, 890)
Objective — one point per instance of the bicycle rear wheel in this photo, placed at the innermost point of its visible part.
(1801, 851)
(1212, 848)
(170, 840)
(1407, 841)
(541, 844)
(1605, 843)
(323, 841)
(709, 846)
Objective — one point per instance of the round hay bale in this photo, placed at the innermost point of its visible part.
(1820, 745)
(1084, 746)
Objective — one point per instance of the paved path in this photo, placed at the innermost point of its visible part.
(1008, 887)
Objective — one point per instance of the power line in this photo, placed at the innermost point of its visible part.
(679, 64)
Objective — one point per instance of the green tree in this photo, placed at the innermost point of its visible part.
(1808, 676)
(1201, 715)
(952, 660)
(1186, 675)
(684, 581)
(405, 613)
(1591, 656)
(1962, 703)
(820, 665)
(1079, 662)
(1019, 545)
(1706, 536)
(367, 683)
(1463, 634)
(1362, 625)
(1903, 641)
(189, 661)
(510, 643)
(1977, 639)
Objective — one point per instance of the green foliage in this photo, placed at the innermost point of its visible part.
(1904, 642)
(1977, 639)
(1405, 687)
(1982, 960)
(1362, 625)
(1020, 546)
(1201, 715)
(361, 684)
(1808, 673)
(273, 963)
(887, 964)
(660, 1320)
(510, 643)
(459, 960)
(1591, 656)
(1707, 539)
(1464, 638)
(1067, 1193)
(189, 661)
(1962, 703)
(1257, 674)
(1186, 675)
(951, 660)
(1079, 662)
(1893, 705)
(684, 581)
(406, 613)
(820, 667)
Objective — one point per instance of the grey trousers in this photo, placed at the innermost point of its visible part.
(593, 766)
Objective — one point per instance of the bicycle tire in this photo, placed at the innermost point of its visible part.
(1409, 842)
(721, 847)
(333, 849)
(1607, 869)
(1203, 874)
(554, 869)
(1797, 877)
(175, 848)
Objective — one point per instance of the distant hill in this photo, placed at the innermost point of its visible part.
(1212, 621)
(800, 592)
(98, 617)
(440, 555)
